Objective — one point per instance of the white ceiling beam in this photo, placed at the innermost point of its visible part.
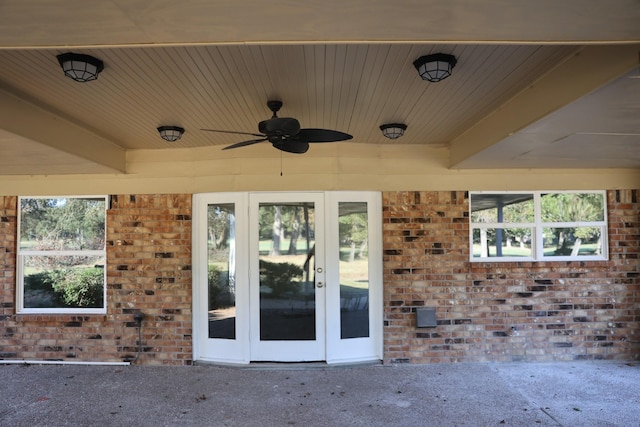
(585, 71)
(42, 23)
(27, 120)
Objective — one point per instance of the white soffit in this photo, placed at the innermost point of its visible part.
(599, 130)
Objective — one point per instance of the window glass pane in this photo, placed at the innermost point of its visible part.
(63, 281)
(576, 241)
(62, 224)
(354, 270)
(502, 242)
(511, 208)
(572, 207)
(221, 275)
(287, 266)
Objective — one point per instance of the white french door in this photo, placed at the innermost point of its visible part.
(286, 280)
(287, 277)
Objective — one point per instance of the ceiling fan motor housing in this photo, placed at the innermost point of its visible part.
(279, 126)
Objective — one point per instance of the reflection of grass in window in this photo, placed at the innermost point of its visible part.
(264, 246)
(585, 249)
(28, 244)
(513, 251)
(345, 254)
(355, 274)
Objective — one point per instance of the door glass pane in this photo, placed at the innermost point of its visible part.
(286, 257)
(354, 270)
(221, 272)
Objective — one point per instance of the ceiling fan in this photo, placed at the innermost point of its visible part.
(285, 134)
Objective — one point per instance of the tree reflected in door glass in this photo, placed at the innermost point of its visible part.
(221, 272)
(354, 270)
(286, 261)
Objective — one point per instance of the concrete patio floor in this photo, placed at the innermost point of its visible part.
(597, 393)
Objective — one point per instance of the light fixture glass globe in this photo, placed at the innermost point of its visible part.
(171, 133)
(393, 130)
(79, 67)
(436, 67)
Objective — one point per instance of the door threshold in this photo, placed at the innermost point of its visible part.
(289, 366)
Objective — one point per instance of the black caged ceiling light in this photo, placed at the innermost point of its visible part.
(393, 130)
(435, 67)
(171, 133)
(79, 67)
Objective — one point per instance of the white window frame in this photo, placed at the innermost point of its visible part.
(537, 227)
(22, 253)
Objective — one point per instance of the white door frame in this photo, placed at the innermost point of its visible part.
(238, 351)
(287, 351)
(354, 349)
(219, 350)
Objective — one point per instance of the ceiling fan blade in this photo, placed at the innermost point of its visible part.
(322, 135)
(233, 132)
(244, 143)
(292, 146)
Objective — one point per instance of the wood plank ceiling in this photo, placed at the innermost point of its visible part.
(353, 88)
(214, 64)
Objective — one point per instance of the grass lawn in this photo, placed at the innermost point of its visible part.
(516, 251)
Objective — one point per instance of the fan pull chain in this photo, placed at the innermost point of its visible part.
(280, 162)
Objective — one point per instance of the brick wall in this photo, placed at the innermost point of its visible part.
(148, 270)
(504, 311)
(9, 342)
(485, 311)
